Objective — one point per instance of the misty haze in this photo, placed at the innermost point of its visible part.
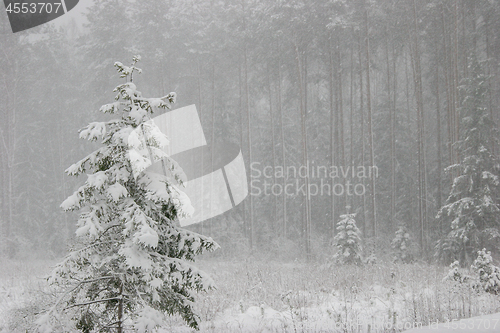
(251, 166)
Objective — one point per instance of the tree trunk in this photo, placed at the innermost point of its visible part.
(283, 151)
(303, 130)
(393, 129)
(332, 136)
(391, 121)
(449, 102)
(240, 86)
(212, 143)
(370, 129)
(455, 81)
(408, 117)
(362, 136)
(273, 143)
(489, 73)
(120, 310)
(9, 145)
(200, 99)
(351, 116)
(417, 74)
(251, 239)
(438, 125)
(340, 124)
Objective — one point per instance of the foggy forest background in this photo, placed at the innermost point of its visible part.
(342, 83)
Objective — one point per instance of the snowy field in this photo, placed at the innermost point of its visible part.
(22, 293)
(287, 297)
(479, 324)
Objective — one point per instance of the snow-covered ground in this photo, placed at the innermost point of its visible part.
(266, 319)
(22, 289)
(289, 297)
(374, 313)
(273, 297)
(481, 324)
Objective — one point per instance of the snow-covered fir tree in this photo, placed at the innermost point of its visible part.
(131, 265)
(458, 280)
(402, 245)
(456, 274)
(471, 212)
(488, 274)
(348, 241)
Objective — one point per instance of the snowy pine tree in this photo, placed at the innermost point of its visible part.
(348, 241)
(488, 274)
(130, 266)
(456, 274)
(402, 245)
(472, 208)
(458, 279)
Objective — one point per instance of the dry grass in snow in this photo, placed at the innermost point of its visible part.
(285, 297)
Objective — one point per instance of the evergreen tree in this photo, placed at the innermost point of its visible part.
(402, 245)
(473, 205)
(456, 274)
(459, 280)
(130, 265)
(348, 241)
(488, 274)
